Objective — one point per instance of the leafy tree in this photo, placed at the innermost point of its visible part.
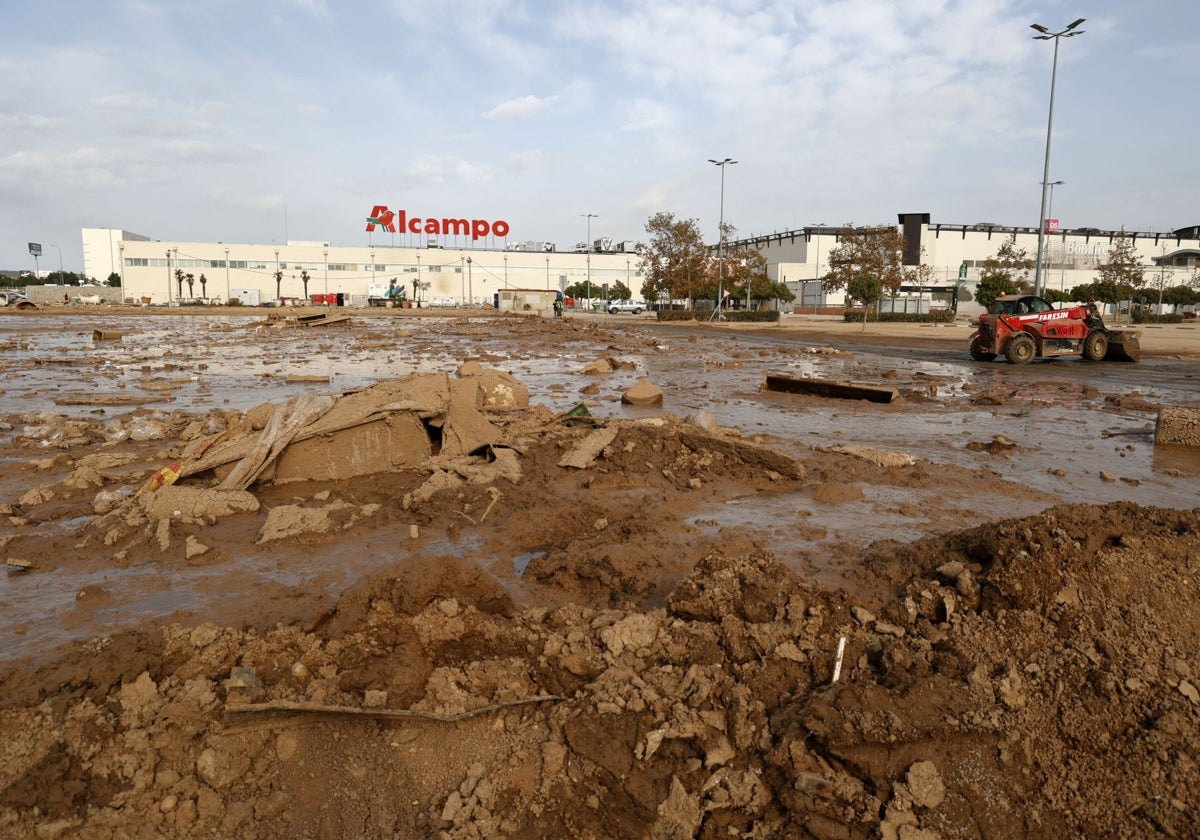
(619, 291)
(1005, 273)
(869, 262)
(580, 289)
(747, 266)
(1123, 272)
(304, 278)
(781, 292)
(179, 280)
(675, 260)
(1056, 296)
(113, 280)
(1105, 291)
(1180, 296)
(203, 286)
(1123, 269)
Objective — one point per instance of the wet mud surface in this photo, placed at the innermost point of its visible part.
(680, 596)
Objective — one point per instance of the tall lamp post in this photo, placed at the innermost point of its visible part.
(1046, 35)
(721, 239)
(228, 293)
(470, 284)
(1050, 214)
(589, 217)
(62, 275)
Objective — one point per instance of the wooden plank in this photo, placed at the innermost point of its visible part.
(828, 388)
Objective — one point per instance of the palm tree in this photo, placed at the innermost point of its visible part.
(304, 278)
(278, 283)
(191, 281)
(179, 280)
(203, 286)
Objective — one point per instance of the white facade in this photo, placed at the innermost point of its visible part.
(441, 275)
(1070, 258)
(456, 276)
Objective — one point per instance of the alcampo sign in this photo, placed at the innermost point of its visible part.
(382, 217)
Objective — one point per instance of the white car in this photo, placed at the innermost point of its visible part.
(636, 307)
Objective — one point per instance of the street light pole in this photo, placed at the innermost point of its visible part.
(1047, 35)
(721, 239)
(470, 284)
(62, 275)
(1050, 214)
(227, 290)
(589, 216)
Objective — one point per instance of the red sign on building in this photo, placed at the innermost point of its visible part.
(1052, 226)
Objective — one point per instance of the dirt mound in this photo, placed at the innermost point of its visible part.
(1029, 678)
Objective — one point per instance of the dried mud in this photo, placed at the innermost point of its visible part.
(480, 616)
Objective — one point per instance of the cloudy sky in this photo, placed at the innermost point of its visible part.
(269, 120)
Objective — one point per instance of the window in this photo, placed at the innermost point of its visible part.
(343, 267)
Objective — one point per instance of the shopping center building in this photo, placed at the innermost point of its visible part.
(446, 262)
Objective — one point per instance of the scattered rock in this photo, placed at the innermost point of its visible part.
(643, 394)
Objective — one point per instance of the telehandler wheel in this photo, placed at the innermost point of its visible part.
(979, 351)
(1095, 346)
(1020, 349)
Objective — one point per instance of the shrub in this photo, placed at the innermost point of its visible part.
(1140, 317)
(937, 316)
(759, 315)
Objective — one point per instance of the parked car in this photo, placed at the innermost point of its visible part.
(636, 307)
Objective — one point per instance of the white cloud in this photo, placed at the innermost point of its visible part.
(317, 8)
(520, 108)
(648, 115)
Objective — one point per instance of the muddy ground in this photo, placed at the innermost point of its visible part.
(421, 597)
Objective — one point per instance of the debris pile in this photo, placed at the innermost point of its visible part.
(1018, 670)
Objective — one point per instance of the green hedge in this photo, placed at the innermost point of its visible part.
(756, 315)
(1151, 318)
(940, 316)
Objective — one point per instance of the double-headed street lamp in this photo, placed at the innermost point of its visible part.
(1047, 35)
(721, 239)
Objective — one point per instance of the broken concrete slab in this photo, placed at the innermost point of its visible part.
(197, 504)
(499, 390)
(587, 450)
(879, 457)
(464, 428)
(828, 388)
(389, 443)
(284, 425)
